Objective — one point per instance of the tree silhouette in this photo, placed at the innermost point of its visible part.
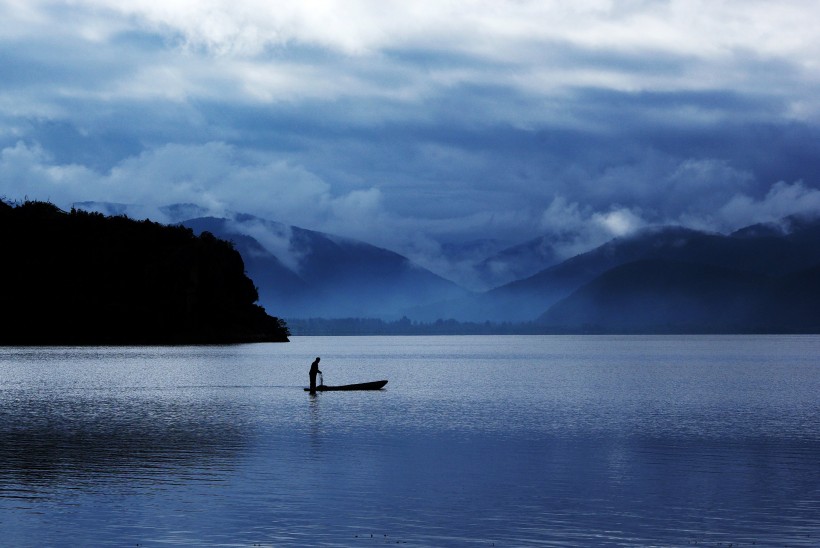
(84, 278)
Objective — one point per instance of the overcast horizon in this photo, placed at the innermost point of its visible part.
(412, 125)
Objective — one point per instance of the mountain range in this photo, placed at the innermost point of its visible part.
(764, 277)
(304, 273)
(517, 262)
(770, 251)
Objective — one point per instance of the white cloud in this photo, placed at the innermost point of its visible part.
(782, 200)
(215, 176)
(563, 217)
(276, 238)
(28, 171)
(664, 186)
(577, 229)
(263, 50)
(618, 222)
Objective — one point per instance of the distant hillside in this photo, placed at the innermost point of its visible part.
(526, 299)
(696, 281)
(303, 273)
(84, 278)
(659, 295)
(517, 262)
(663, 296)
(774, 250)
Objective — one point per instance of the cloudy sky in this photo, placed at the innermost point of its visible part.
(410, 124)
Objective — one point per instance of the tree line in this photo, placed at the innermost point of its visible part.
(80, 277)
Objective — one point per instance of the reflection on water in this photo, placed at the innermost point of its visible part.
(74, 439)
(569, 441)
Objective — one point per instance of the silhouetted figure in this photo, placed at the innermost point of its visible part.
(314, 368)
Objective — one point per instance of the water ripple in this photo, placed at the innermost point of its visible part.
(512, 441)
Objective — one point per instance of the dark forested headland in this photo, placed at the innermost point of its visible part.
(84, 278)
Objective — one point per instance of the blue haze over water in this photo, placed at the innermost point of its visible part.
(511, 441)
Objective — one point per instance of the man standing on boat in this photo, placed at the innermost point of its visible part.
(314, 368)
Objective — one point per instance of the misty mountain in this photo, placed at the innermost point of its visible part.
(303, 273)
(660, 295)
(177, 213)
(663, 296)
(517, 262)
(526, 299)
(471, 251)
(774, 249)
(696, 278)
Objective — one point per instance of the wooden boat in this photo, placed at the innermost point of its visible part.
(374, 385)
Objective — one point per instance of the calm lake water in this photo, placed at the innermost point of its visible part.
(476, 441)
